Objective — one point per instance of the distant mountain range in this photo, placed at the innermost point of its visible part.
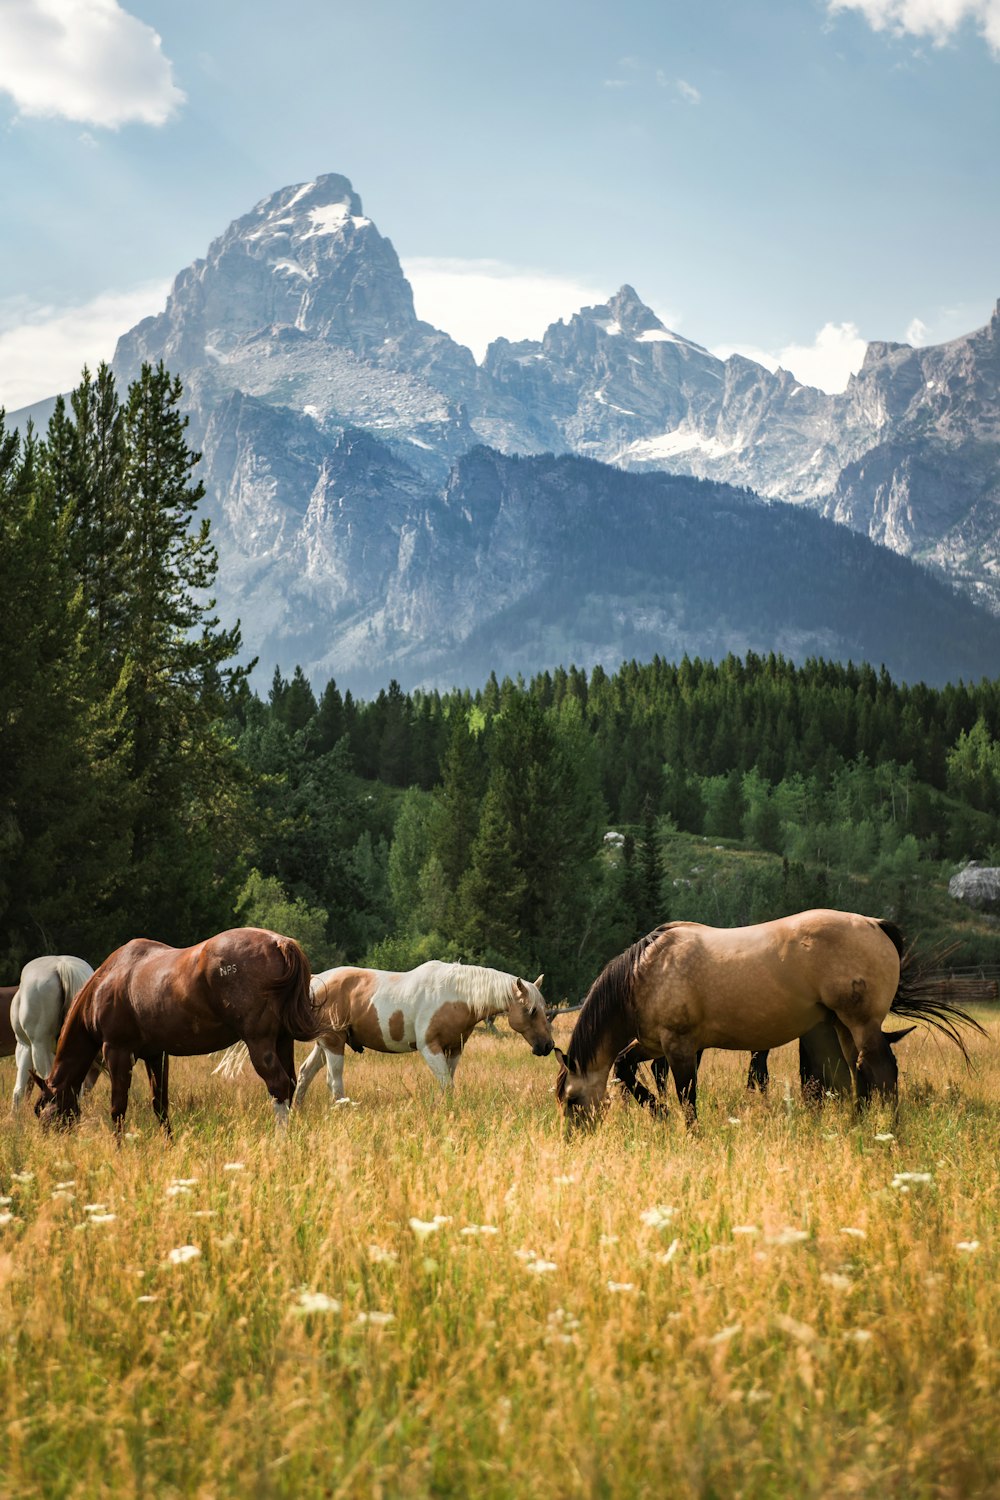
(372, 518)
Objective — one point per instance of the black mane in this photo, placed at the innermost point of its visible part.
(608, 997)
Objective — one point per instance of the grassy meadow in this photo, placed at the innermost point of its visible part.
(789, 1321)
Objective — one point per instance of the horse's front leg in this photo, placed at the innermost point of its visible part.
(157, 1070)
(119, 1061)
(626, 1071)
(439, 1066)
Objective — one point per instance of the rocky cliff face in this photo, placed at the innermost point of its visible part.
(330, 418)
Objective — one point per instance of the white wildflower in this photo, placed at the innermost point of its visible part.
(541, 1266)
(565, 1179)
(621, 1286)
(95, 1208)
(480, 1229)
(903, 1180)
(667, 1255)
(178, 1190)
(423, 1227)
(745, 1229)
(5, 1200)
(312, 1302)
(608, 1239)
(184, 1182)
(101, 1218)
(837, 1280)
(859, 1336)
(967, 1245)
(788, 1236)
(885, 1135)
(22, 1176)
(61, 1195)
(149, 1297)
(734, 1120)
(182, 1254)
(802, 1332)
(526, 1254)
(857, 1234)
(6, 1218)
(204, 1213)
(376, 1319)
(379, 1256)
(61, 1186)
(232, 1166)
(659, 1216)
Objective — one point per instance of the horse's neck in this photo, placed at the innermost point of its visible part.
(495, 1001)
(75, 1053)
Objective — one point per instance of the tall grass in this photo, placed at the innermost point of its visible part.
(744, 1345)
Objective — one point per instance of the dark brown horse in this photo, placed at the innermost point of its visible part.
(148, 1000)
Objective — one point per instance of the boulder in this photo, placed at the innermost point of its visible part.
(978, 885)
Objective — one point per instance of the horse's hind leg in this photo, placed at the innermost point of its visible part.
(758, 1076)
(157, 1069)
(683, 1062)
(264, 1056)
(23, 1074)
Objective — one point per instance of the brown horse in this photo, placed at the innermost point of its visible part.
(148, 1000)
(686, 987)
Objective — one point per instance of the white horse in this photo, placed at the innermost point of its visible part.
(45, 992)
(432, 1010)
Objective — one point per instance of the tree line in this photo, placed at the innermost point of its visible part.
(146, 788)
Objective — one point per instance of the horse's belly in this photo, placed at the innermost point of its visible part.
(758, 1027)
(396, 1024)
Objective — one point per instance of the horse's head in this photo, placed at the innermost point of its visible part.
(526, 1014)
(580, 1095)
(55, 1106)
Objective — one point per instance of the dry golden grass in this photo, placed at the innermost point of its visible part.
(697, 1358)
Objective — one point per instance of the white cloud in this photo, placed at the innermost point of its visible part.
(688, 92)
(936, 19)
(916, 332)
(828, 362)
(480, 300)
(84, 60)
(43, 349)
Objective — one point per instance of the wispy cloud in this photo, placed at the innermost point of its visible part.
(84, 60)
(937, 19)
(828, 362)
(43, 349)
(687, 91)
(477, 301)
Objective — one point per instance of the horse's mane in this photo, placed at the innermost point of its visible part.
(485, 991)
(609, 995)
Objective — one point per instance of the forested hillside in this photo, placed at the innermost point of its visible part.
(540, 825)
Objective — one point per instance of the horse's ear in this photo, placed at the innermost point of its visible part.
(892, 1037)
(538, 981)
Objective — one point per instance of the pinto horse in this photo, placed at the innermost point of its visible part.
(685, 987)
(432, 1009)
(148, 1001)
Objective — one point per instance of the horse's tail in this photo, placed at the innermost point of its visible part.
(232, 1061)
(919, 994)
(300, 1015)
(73, 974)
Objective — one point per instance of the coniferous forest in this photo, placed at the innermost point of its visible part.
(147, 789)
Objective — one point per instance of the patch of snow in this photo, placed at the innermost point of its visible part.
(300, 194)
(600, 396)
(330, 218)
(293, 268)
(612, 326)
(419, 443)
(269, 227)
(670, 444)
(311, 411)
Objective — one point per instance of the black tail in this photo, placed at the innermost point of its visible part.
(302, 1018)
(919, 995)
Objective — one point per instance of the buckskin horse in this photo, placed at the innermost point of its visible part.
(148, 1001)
(431, 1009)
(685, 987)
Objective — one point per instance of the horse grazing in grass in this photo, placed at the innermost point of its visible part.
(148, 1001)
(47, 988)
(432, 1010)
(686, 987)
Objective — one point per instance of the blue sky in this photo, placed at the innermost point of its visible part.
(789, 178)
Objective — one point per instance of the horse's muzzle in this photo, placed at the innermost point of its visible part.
(542, 1049)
